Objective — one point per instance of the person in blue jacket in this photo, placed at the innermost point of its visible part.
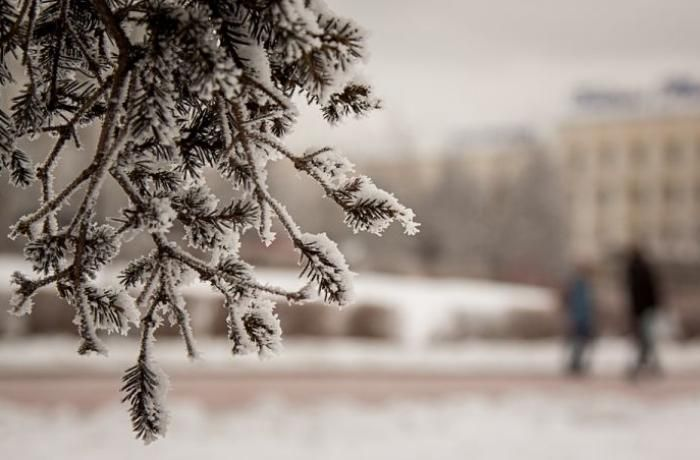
(579, 306)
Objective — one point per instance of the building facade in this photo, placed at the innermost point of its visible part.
(493, 159)
(631, 169)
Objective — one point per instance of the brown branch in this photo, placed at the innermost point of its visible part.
(243, 135)
(23, 225)
(148, 287)
(57, 53)
(113, 28)
(30, 34)
(92, 64)
(271, 92)
(16, 26)
(104, 157)
(205, 271)
(105, 153)
(45, 281)
(44, 170)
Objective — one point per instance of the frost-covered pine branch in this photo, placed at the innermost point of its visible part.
(175, 87)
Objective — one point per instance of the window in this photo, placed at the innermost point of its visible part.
(638, 155)
(606, 156)
(671, 192)
(636, 195)
(576, 159)
(673, 152)
(669, 232)
(604, 196)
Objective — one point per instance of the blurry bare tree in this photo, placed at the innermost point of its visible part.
(522, 228)
(509, 230)
(450, 242)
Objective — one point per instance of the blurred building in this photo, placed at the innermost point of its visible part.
(491, 159)
(502, 198)
(631, 169)
(495, 158)
(487, 206)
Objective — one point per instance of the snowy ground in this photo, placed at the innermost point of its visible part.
(356, 400)
(523, 427)
(523, 409)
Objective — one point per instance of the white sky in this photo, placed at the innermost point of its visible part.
(446, 65)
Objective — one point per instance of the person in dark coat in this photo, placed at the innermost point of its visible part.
(580, 309)
(643, 301)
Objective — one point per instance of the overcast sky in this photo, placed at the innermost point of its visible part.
(446, 65)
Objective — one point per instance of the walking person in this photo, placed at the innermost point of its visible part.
(643, 302)
(579, 305)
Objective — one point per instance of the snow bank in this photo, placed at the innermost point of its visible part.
(422, 305)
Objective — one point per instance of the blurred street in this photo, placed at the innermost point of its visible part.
(220, 391)
(344, 414)
(360, 370)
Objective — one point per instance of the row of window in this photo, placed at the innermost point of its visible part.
(673, 154)
(667, 230)
(670, 194)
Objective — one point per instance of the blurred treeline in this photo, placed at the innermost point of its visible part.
(509, 230)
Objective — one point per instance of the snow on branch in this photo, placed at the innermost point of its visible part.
(145, 385)
(176, 88)
(253, 327)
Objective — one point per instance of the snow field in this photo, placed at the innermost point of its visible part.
(513, 427)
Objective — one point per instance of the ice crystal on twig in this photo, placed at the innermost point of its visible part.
(175, 87)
